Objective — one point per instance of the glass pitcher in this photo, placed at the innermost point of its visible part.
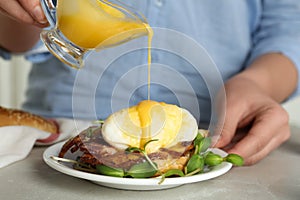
(80, 26)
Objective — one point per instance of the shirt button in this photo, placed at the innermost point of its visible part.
(159, 3)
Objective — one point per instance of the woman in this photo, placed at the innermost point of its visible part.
(254, 43)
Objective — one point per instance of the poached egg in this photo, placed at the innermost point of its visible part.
(167, 124)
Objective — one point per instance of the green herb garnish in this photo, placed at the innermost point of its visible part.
(143, 151)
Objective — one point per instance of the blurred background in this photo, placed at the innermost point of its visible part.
(13, 81)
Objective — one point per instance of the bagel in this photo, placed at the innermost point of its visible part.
(15, 117)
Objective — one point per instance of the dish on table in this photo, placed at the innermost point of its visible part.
(133, 183)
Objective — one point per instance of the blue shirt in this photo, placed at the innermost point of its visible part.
(219, 36)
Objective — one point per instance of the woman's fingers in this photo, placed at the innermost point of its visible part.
(34, 8)
(264, 122)
(228, 129)
(24, 11)
(273, 144)
(269, 130)
(14, 10)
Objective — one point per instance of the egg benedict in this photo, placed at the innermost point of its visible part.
(150, 132)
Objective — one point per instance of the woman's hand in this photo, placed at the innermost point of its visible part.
(21, 22)
(254, 123)
(24, 11)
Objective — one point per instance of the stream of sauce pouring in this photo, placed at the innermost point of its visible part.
(95, 23)
(144, 108)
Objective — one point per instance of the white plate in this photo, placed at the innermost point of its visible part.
(130, 183)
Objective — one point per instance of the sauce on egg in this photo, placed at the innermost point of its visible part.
(144, 112)
(158, 120)
(135, 126)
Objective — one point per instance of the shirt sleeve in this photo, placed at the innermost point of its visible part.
(37, 54)
(279, 31)
(5, 54)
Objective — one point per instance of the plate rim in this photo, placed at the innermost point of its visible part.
(54, 149)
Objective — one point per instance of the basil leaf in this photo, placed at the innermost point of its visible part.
(204, 144)
(196, 162)
(173, 172)
(201, 143)
(198, 139)
(110, 171)
(141, 170)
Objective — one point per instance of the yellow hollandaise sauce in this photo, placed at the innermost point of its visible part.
(157, 118)
(166, 123)
(94, 24)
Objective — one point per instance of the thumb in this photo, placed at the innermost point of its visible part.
(227, 128)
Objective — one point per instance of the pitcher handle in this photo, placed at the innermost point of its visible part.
(49, 8)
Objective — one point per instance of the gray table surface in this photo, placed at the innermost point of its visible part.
(276, 177)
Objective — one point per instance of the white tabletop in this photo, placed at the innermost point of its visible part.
(276, 177)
